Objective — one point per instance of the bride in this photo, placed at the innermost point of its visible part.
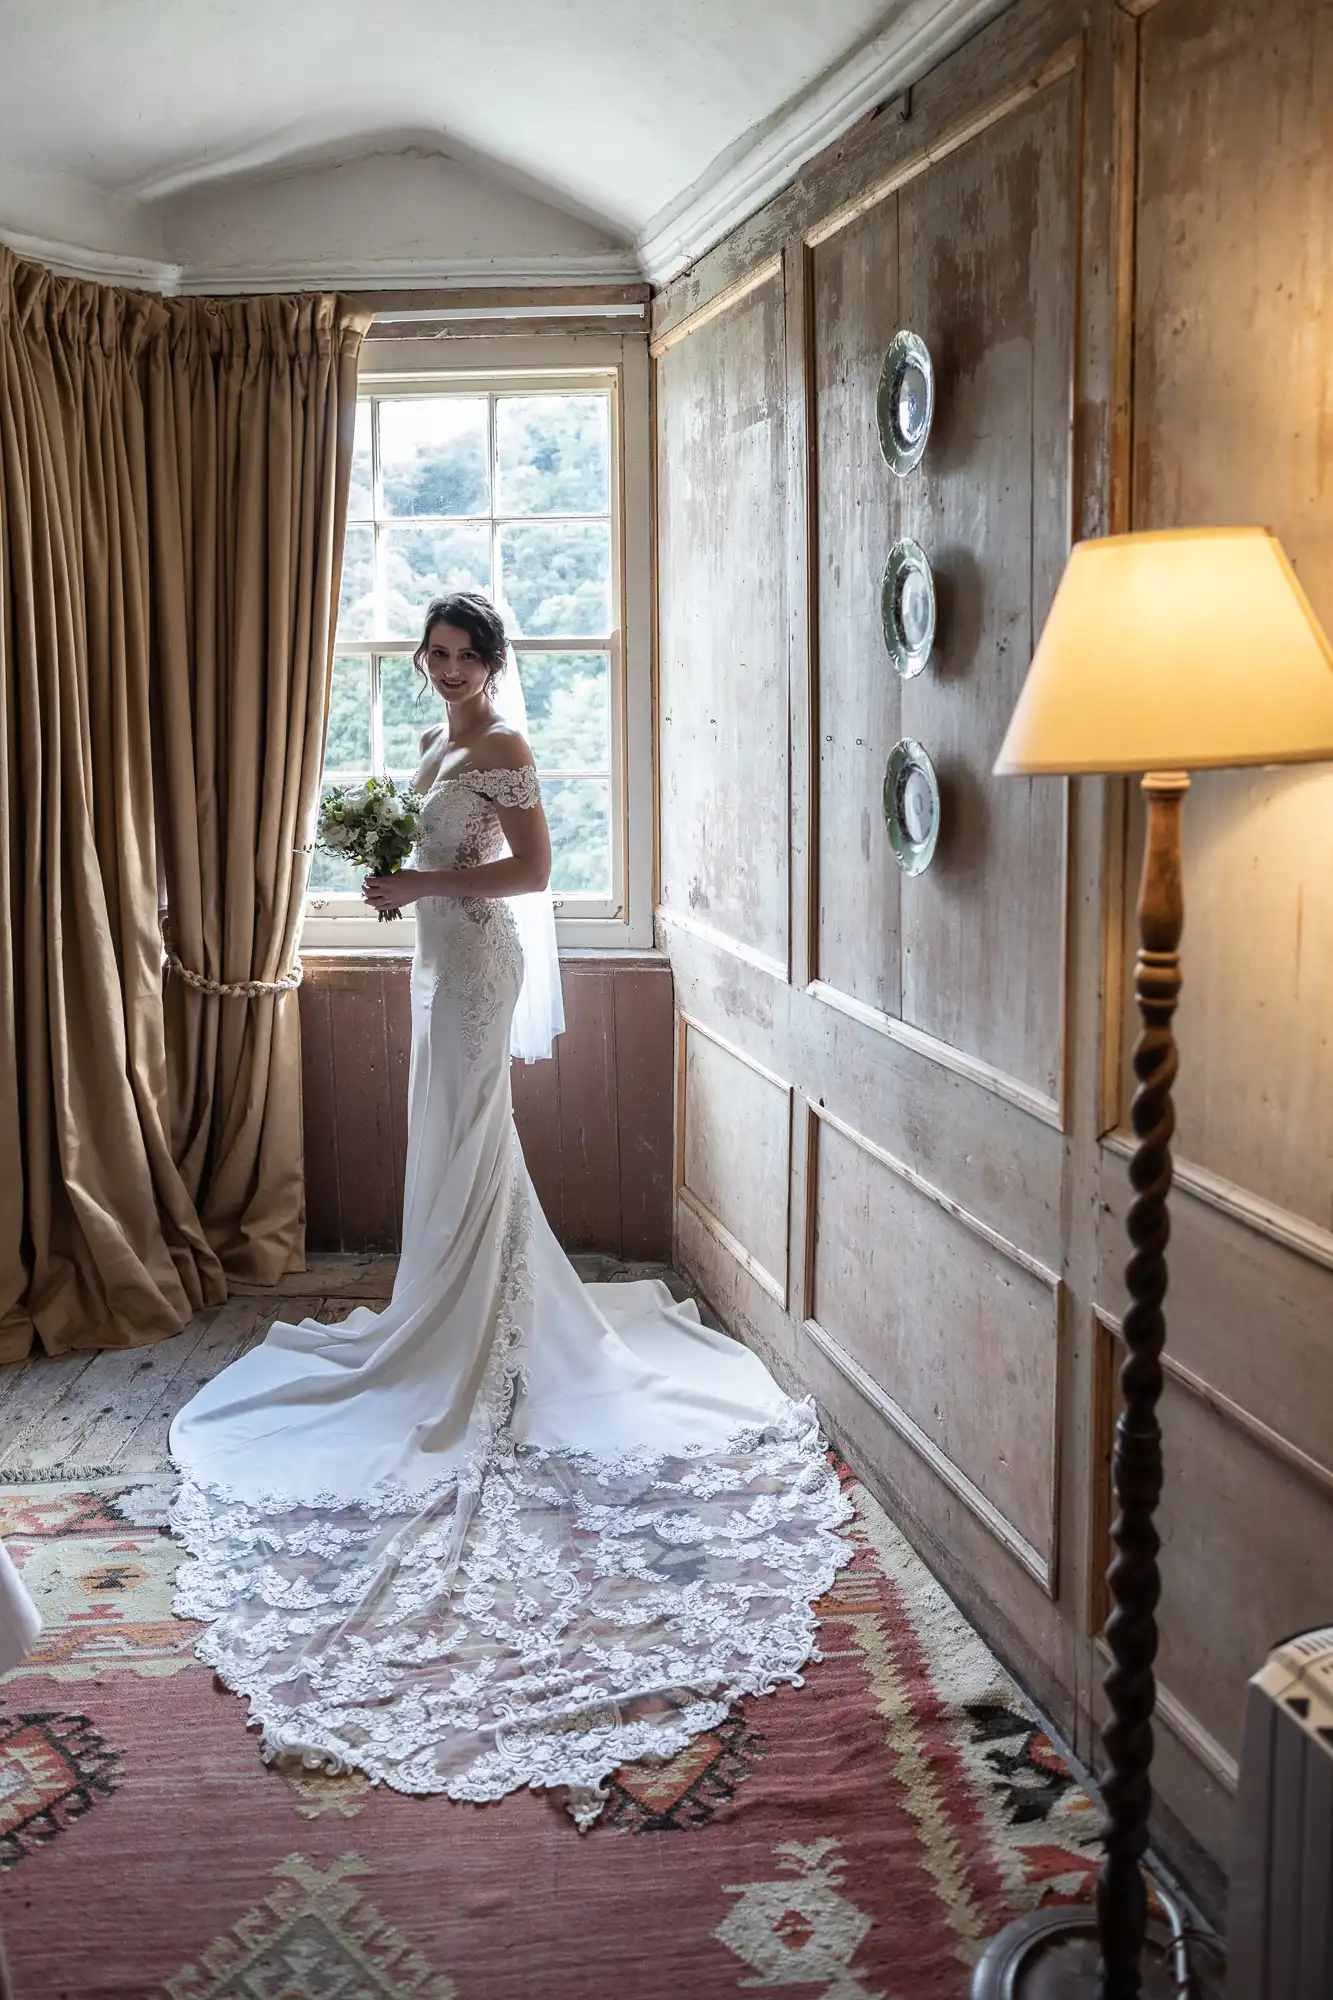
(510, 1530)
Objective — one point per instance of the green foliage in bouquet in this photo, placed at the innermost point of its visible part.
(373, 823)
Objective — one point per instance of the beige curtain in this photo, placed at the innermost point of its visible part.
(251, 409)
(173, 478)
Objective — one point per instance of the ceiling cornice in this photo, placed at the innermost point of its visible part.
(416, 274)
(105, 267)
(740, 183)
(69, 260)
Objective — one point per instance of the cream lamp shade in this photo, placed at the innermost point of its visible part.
(1189, 650)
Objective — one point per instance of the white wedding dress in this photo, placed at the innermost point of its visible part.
(510, 1530)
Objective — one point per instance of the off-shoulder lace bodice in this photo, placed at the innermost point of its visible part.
(468, 947)
(460, 827)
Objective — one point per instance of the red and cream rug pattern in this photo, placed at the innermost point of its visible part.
(855, 1839)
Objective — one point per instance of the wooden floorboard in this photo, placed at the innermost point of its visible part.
(41, 1384)
(331, 1274)
(114, 1408)
(90, 1421)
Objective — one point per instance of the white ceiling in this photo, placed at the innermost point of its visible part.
(611, 111)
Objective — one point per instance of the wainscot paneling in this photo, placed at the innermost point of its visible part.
(1232, 289)
(1222, 1466)
(1247, 88)
(977, 254)
(722, 623)
(923, 1300)
(595, 1121)
(925, 1195)
(1113, 224)
(733, 1153)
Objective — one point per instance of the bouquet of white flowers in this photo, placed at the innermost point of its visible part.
(373, 823)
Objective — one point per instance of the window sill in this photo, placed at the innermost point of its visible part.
(396, 956)
(357, 932)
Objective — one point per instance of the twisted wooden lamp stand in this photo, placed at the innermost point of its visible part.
(1063, 1953)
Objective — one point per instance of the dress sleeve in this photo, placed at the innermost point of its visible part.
(509, 787)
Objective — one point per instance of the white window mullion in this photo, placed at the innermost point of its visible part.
(376, 511)
(376, 720)
(493, 446)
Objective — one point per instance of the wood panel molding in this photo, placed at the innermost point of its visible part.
(1187, 1729)
(1043, 1568)
(1254, 1428)
(1063, 63)
(920, 1185)
(731, 295)
(776, 1284)
(1038, 1566)
(802, 615)
(1181, 1720)
(1048, 1110)
(1266, 1218)
(749, 954)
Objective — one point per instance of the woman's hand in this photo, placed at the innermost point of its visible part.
(393, 892)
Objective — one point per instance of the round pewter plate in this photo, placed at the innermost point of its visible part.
(905, 403)
(907, 607)
(911, 806)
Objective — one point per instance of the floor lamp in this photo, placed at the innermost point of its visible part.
(1163, 653)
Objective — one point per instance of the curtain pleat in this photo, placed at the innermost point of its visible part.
(173, 482)
(252, 408)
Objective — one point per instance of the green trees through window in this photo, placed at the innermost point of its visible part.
(510, 493)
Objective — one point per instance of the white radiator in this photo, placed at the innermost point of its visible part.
(1280, 1916)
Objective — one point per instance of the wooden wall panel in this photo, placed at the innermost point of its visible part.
(1114, 225)
(722, 625)
(859, 885)
(735, 1153)
(959, 1330)
(595, 1122)
(319, 1115)
(978, 255)
(923, 1299)
(589, 1139)
(988, 277)
(1219, 1471)
(1234, 423)
(644, 1028)
(363, 1079)
(1245, 1317)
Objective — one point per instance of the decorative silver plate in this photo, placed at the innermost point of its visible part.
(907, 607)
(911, 806)
(906, 401)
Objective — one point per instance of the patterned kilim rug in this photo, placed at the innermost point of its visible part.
(856, 1839)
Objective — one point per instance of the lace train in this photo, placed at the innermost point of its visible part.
(572, 1617)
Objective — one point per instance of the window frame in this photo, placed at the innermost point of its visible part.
(497, 366)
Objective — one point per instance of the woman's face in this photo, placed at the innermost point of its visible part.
(455, 668)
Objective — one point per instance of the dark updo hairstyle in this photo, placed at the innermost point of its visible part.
(474, 614)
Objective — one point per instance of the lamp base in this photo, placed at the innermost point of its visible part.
(1053, 1955)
